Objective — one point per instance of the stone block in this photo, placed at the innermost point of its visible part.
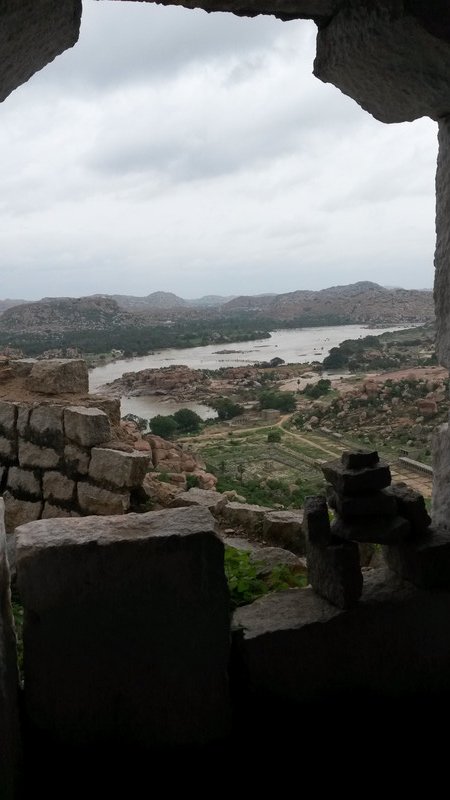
(316, 523)
(246, 516)
(126, 628)
(214, 501)
(86, 426)
(358, 459)
(334, 572)
(59, 376)
(46, 426)
(24, 482)
(295, 647)
(8, 417)
(411, 505)
(17, 512)
(10, 750)
(23, 419)
(284, 529)
(76, 460)
(52, 511)
(425, 561)
(378, 530)
(31, 455)
(363, 505)
(118, 469)
(110, 405)
(352, 481)
(57, 487)
(20, 367)
(8, 450)
(94, 500)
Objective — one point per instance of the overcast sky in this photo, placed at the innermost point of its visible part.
(175, 150)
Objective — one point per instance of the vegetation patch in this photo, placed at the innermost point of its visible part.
(247, 579)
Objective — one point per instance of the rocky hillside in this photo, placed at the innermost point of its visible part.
(359, 303)
(65, 314)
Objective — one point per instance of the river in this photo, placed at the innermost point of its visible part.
(299, 345)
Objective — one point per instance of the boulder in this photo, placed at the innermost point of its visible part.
(214, 501)
(138, 652)
(377, 530)
(59, 376)
(8, 450)
(57, 487)
(45, 426)
(31, 455)
(245, 515)
(76, 460)
(284, 528)
(52, 511)
(86, 426)
(8, 418)
(23, 482)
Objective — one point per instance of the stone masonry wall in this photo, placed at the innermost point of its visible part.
(55, 462)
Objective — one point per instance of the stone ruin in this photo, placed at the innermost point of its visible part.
(393, 58)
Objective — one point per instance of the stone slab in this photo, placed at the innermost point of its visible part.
(86, 426)
(357, 459)
(134, 608)
(10, 750)
(59, 376)
(424, 562)
(334, 572)
(295, 647)
(411, 505)
(363, 505)
(352, 481)
(316, 523)
(118, 469)
(94, 500)
(377, 530)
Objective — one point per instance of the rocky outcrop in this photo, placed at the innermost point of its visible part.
(149, 626)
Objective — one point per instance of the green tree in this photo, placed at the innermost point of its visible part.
(283, 401)
(274, 435)
(187, 420)
(225, 408)
(164, 426)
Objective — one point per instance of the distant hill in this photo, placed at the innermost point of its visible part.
(359, 303)
(9, 303)
(58, 314)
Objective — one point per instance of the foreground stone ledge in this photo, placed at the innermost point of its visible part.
(131, 607)
(296, 646)
(9, 681)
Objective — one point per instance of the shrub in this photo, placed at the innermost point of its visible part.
(274, 435)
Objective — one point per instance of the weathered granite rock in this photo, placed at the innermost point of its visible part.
(357, 459)
(17, 512)
(57, 487)
(378, 530)
(350, 482)
(94, 500)
(59, 376)
(424, 561)
(46, 426)
(23, 482)
(245, 515)
(31, 455)
(86, 426)
(297, 647)
(284, 528)
(10, 750)
(52, 511)
(8, 418)
(363, 505)
(442, 262)
(268, 558)
(440, 507)
(411, 505)
(214, 501)
(76, 460)
(334, 572)
(118, 469)
(8, 450)
(316, 523)
(23, 418)
(150, 626)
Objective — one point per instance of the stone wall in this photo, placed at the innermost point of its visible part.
(57, 460)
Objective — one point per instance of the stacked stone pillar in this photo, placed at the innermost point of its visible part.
(367, 509)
